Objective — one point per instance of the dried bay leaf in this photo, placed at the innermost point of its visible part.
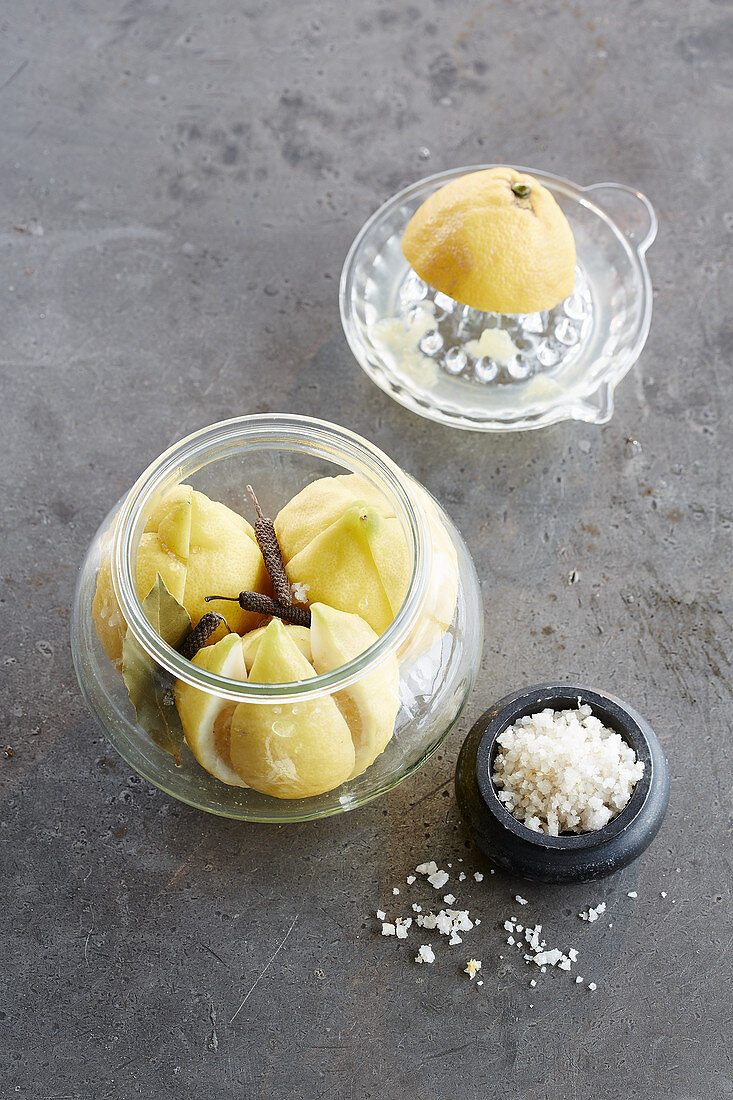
(149, 686)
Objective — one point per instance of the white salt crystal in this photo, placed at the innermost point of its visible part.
(438, 879)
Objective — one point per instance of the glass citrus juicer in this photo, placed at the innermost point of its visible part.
(423, 348)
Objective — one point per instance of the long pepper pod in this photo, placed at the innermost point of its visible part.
(271, 553)
(265, 605)
(199, 636)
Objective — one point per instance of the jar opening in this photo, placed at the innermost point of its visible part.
(258, 434)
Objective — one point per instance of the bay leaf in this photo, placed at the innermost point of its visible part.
(149, 686)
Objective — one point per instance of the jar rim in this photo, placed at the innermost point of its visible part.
(327, 440)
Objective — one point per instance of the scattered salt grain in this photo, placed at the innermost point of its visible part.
(427, 868)
(478, 876)
(663, 894)
(578, 980)
(300, 592)
(425, 954)
(548, 958)
(462, 876)
(381, 914)
(520, 900)
(455, 939)
(533, 982)
(410, 880)
(593, 914)
(472, 968)
(479, 983)
(402, 927)
(389, 930)
(438, 879)
(395, 890)
(592, 985)
(416, 908)
(564, 771)
(449, 899)
(631, 894)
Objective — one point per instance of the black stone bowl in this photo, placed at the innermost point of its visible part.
(571, 857)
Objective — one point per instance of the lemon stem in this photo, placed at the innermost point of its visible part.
(521, 190)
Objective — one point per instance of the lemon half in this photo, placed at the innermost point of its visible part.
(495, 240)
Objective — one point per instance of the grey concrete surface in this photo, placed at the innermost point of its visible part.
(179, 185)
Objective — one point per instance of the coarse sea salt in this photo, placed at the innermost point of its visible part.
(564, 771)
(439, 879)
(592, 915)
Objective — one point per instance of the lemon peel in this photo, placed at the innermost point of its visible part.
(495, 240)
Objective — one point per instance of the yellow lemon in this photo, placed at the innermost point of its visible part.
(364, 567)
(370, 706)
(495, 240)
(207, 719)
(199, 547)
(289, 750)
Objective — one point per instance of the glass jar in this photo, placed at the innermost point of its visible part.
(279, 455)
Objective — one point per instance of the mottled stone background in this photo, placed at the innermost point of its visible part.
(179, 185)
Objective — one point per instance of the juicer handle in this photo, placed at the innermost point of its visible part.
(631, 211)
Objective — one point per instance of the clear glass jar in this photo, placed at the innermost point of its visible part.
(280, 455)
